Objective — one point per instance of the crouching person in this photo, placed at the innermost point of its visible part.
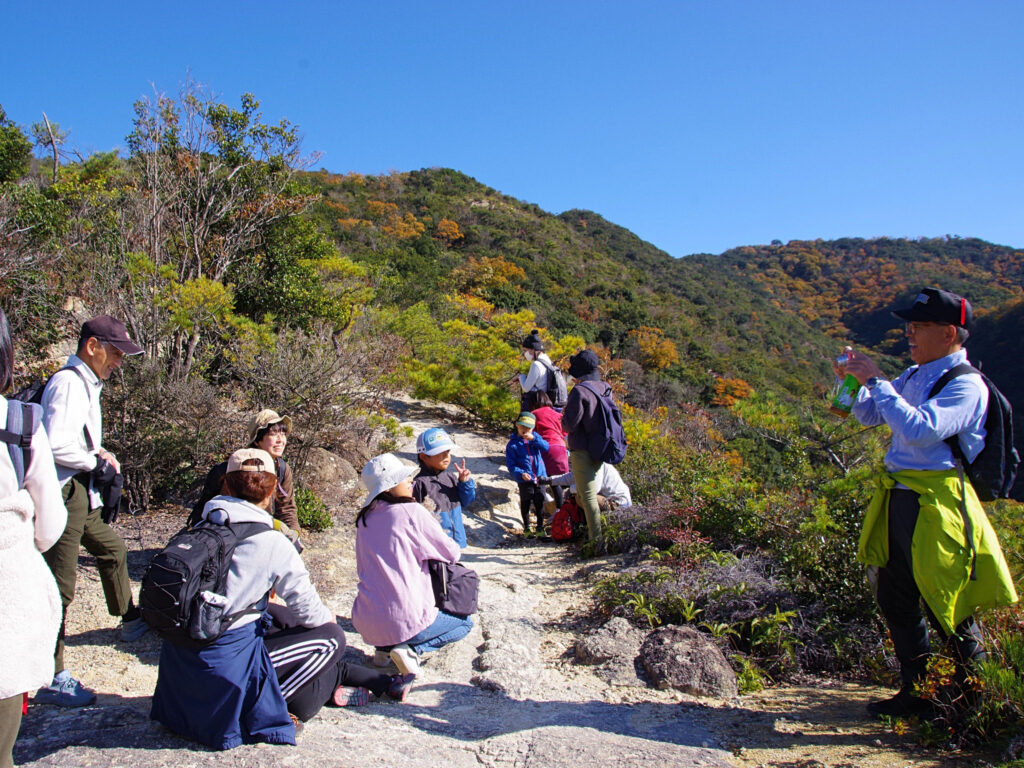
(272, 668)
(396, 537)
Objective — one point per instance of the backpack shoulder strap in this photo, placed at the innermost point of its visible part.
(85, 429)
(957, 370)
(21, 423)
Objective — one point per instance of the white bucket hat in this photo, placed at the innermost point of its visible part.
(384, 472)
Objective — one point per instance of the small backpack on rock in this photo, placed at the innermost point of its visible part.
(568, 521)
(182, 595)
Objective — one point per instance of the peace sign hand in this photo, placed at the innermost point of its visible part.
(464, 474)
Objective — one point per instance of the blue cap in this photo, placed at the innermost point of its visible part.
(434, 441)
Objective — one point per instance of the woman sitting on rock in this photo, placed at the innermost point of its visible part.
(269, 432)
(273, 660)
(395, 537)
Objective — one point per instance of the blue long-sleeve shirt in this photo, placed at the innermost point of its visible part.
(525, 456)
(919, 425)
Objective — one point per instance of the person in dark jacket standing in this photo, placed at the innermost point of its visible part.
(580, 418)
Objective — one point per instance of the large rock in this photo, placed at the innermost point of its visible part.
(613, 648)
(328, 475)
(687, 660)
(617, 639)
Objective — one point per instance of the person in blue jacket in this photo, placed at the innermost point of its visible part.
(440, 491)
(524, 458)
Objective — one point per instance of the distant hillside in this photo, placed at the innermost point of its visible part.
(772, 315)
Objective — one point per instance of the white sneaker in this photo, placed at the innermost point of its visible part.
(405, 659)
(381, 659)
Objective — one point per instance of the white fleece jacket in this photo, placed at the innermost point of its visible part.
(263, 562)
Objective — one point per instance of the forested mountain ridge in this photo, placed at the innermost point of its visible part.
(772, 315)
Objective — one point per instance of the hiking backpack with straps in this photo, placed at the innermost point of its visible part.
(21, 423)
(182, 594)
(994, 469)
(555, 387)
(608, 444)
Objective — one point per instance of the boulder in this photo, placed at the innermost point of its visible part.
(689, 661)
(617, 639)
(328, 475)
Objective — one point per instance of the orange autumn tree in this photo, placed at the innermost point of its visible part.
(654, 351)
(448, 232)
(729, 391)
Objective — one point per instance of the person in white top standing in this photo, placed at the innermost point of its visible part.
(536, 378)
(74, 425)
(32, 518)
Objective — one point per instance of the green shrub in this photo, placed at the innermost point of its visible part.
(312, 511)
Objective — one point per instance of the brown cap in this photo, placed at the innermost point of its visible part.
(265, 418)
(111, 331)
(239, 457)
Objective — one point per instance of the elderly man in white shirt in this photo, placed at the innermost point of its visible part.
(74, 425)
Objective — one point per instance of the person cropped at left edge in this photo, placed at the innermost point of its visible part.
(74, 426)
(32, 518)
(447, 492)
(271, 669)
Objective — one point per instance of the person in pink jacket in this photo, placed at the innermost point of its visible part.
(549, 426)
(395, 537)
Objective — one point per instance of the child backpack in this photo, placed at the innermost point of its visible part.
(182, 594)
(21, 422)
(555, 388)
(994, 470)
(608, 444)
(567, 522)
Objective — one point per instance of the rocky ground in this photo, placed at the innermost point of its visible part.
(511, 694)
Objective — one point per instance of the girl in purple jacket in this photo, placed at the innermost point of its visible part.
(395, 537)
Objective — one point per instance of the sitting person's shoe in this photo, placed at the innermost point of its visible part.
(406, 659)
(133, 630)
(381, 658)
(903, 704)
(400, 686)
(299, 725)
(65, 691)
(347, 696)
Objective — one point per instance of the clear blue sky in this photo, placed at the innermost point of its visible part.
(698, 125)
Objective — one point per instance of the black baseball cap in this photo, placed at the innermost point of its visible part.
(934, 305)
(111, 331)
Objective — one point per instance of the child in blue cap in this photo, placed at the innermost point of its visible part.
(524, 458)
(448, 491)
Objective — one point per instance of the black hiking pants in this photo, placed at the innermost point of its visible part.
(900, 600)
(531, 495)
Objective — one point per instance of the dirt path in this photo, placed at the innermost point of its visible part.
(508, 695)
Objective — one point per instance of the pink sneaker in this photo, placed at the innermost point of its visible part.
(347, 696)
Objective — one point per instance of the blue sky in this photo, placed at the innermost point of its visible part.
(700, 126)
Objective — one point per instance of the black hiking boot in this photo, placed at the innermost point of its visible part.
(903, 704)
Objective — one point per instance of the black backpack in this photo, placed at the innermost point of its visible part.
(182, 595)
(21, 423)
(607, 445)
(33, 393)
(555, 388)
(994, 470)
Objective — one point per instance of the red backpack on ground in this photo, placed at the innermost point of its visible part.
(568, 521)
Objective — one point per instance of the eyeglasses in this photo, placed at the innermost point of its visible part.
(918, 326)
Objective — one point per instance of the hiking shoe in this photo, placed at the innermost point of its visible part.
(347, 696)
(381, 658)
(400, 686)
(406, 659)
(65, 691)
(299, 725)
(133, 630)
(903, 704)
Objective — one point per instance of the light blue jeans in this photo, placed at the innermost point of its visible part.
(446, 628)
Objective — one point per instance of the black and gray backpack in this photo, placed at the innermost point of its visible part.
(182, 595)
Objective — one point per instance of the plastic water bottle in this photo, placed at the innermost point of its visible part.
(845, 391)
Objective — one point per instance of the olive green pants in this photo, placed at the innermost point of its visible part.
(10, 722)
(584, 474)
(86, 529)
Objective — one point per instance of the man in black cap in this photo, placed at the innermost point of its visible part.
(74, 425)
(916, 530)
